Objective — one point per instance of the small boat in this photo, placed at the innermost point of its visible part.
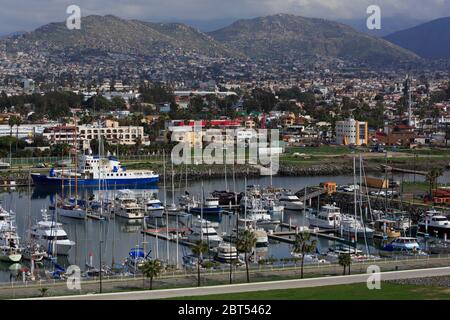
(51, 235)
(385, 229)
(262, 239)
(435, 224)
(226, 253)
(328, 217)
(154, 208)
(353, 227)
(10, 250)
(291, 202)
(70, 210)
(127, 206)
(356, 255)
(210, 207)
(402, 244)
(205, 230)
(310, 258)
(136, 259)
(227, 197)
(35, 252)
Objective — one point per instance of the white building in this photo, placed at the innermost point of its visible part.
(25, 130)
(110, 131)
(351, 132)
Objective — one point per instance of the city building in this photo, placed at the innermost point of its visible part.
(82, 135)
(351, 132)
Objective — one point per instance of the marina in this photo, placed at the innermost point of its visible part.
(170, 236)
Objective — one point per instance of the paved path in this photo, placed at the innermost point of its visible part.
(259, 286)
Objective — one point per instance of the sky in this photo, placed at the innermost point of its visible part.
(26, 15)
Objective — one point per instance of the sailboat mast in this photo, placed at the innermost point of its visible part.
(354, 194)
(173, 186)
(165, 202)
(76, 162)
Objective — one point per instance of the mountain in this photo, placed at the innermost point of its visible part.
(115, 35)
(279, 37)
(388, 25)
(428, 40)
(284, 36)
(12, 34)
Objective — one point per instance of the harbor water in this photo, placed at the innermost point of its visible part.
(114, 238)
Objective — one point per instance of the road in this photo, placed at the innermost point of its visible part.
(259, 286)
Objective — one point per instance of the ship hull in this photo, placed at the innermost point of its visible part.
(44, 180)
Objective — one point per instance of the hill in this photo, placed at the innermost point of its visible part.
(429, 40)
(286, 36)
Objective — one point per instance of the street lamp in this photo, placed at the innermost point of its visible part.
(100, 258)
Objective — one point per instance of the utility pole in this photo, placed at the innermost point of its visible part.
(100, 257)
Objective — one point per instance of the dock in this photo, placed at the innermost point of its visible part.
(162, 234)
(283, 236)
(400, 170)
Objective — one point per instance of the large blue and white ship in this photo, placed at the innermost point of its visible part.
(95, 171)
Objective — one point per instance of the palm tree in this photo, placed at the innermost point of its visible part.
(345, 260)
(18, 123)
(152, 269)
(199, 249)
(432, 177)
(11, 123)
(302, 245)
(245, 244)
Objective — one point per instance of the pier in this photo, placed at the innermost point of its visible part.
(164, 233)
(294, 229)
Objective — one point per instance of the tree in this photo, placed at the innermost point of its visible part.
(303, 245)
(119, 103)
(345, 260)
(18, 123)
(432, 177)
(11, 122)
(43, 291)
(200, 247)
(152, 269)
(245, 243)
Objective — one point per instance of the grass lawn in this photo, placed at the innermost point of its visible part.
(359, 291)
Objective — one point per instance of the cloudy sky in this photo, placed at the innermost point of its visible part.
(26, 15)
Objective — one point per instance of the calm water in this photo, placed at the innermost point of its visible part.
(120, 235)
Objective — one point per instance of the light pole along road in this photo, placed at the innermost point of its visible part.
(257, 286)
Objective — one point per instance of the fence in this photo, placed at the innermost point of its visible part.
(188, 277)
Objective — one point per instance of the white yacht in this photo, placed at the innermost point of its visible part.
(435, 223)
(4, 216)
(126, 205)
(328, 217)
(51, 235)
(263, 218)
(206, 230)
(226, 253)
(70, 210)
(154, 208)
(291, 202)
(10, 251)
(354, 227)
(250, 224)
(273, 207)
